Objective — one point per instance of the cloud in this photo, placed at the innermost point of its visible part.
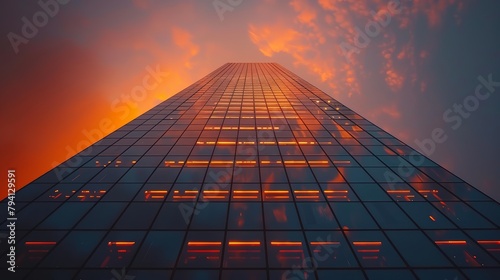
(184, 40)
(312, 39)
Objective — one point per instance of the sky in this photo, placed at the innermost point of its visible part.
(74, 71)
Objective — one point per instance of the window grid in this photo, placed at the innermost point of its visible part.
(275, 142)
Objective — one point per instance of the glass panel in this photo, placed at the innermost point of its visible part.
(307, 192)
(417, 249)
(245, 192)
(244, 249)
(204, 213)
(401, 192)
(300, 174)
(439, 274)
(33, 214)
(202, 249)
(153, 193)
(433, 192)
(63, 255)
(116, 250)
(246, 175)
(338, 192)
(370, 192)
(327, 175)
(340, 274)
(66, 216)
(316, 216)
(399, 274)
(245, 216)
(137, 175)
(426, 216)
(34, 247)
(355, 175)
(102, 216)
(488, 240)
(389, 216)
(330, 249)
(352, 215)
(281, 216)
(276, 192)
(159, 249)
(463, 215)
(286, 249)
(184, 193)
(191, 175)
(60, 192)
(373, 249)
(491, 210)
(173, 216)
(463, 251)
(138, 215)
(465, 191)
(122, 192)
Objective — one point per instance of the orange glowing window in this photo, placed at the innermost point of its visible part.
(267, 143)
(287, 143)
(451, 242)
(306, 194)
(336, 194)
(301, 163)
(226, 143)
(121, 243)
(204, 243)
(221, 162)
(402, 194)
(204, 247)
(492, 246)
(90, 195)
(173, 163)
(102, 164)
(244, 243)
(155, 194)
(287, 251)
(120, 248)
(286, 243)
(494, 242)
(367, 243)
(342, 162)
(197, 163)
(306, 143)
(369, 250)
(246, 163)
(185, 194)
(37, 249)
(41, 243)
(246, 194)
(319, 163)
(215, 194)
(276, 194)
(246, 143)
(324, 243)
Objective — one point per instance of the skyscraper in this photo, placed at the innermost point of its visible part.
(252, 173)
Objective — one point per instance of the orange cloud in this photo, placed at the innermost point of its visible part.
(391, 110)
(336, 21)
(183, 39)
(434, 10)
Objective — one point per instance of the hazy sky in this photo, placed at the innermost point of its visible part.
(72, 71)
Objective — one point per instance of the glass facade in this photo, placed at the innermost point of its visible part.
(253, 173)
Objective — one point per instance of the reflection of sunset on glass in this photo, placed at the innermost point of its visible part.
(399, 63)
(168, 160)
